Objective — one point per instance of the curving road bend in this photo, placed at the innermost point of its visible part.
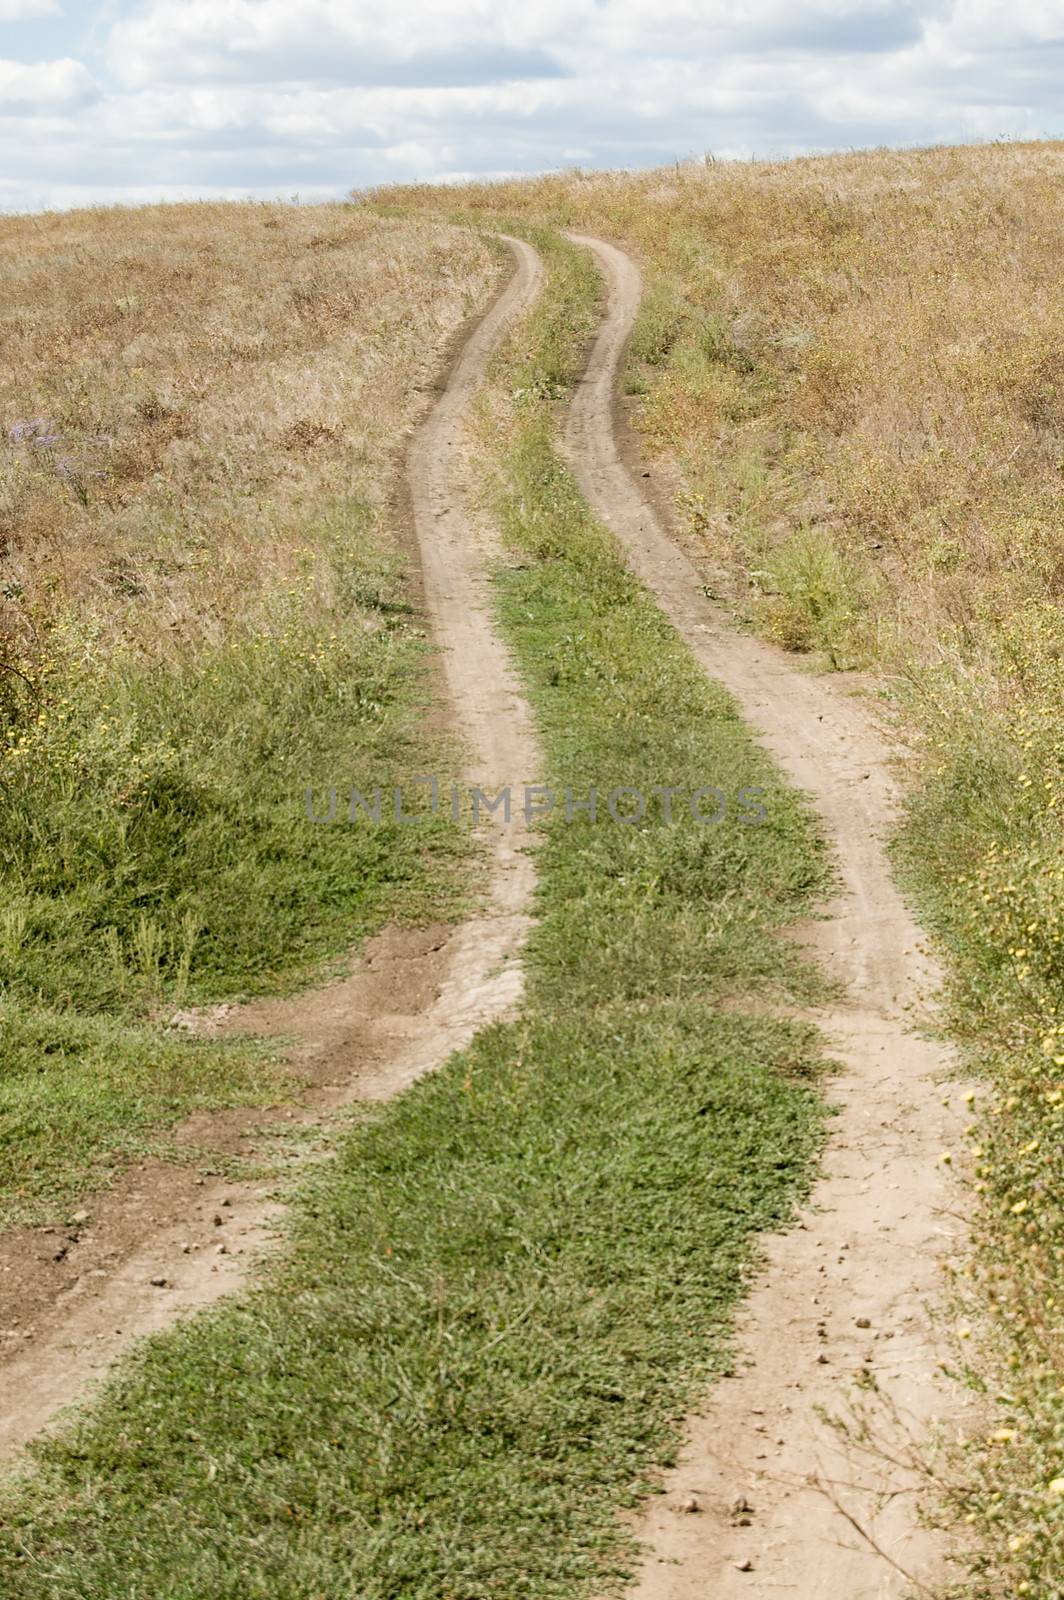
(846, 1292)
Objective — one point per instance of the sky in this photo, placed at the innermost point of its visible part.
(136, 100)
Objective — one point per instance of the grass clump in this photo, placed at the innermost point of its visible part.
(502, 1294)
(80, 1095)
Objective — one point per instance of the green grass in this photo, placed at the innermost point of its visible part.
(144, 817)
(158, 804)
(82, 1095)
(650, 912)
(502, 1294)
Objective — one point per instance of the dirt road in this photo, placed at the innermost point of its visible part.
(162, 1242)
(785, 1504)
(843, 1300)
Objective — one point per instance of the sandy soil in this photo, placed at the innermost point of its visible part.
(768, 1498)
(164, 1241)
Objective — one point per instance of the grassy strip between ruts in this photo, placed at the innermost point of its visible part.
(502, 1294)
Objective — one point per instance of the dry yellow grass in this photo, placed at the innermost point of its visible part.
(859, 370)
(185, 389)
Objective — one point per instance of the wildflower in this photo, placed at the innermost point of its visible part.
(28, 431)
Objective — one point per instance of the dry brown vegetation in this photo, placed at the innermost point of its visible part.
(185, 389)
(858, 366)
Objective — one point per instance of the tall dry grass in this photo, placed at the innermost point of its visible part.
(857, 364)
(185, 388)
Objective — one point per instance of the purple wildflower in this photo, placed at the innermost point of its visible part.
(37, 431)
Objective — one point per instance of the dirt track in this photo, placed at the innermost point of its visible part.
(847, 1291)
(73, 1298)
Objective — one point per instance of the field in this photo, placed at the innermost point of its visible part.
(471, 1360)
(478, 1343)
(850, 367)
(203, 610)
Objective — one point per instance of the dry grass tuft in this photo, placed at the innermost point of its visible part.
(183, 387)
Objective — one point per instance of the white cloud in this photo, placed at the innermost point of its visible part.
(46, 86)
(317, 96)
(429, 41)
(26, 10)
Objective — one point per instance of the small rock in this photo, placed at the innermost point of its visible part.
(740, 1506)
(689, 1504)
(864, 1322)
(79, 1217)
(822, 1359)
(221, 1250)
(159, 1283)
(225, 1202)
(218, 1220)
(185, 1248)
(745, 1565)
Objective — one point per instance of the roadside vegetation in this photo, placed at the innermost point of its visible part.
(203, 609)
(499, 1298)
(852, 367)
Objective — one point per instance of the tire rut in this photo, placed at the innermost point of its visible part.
(148, 1252)
(839, 1321)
